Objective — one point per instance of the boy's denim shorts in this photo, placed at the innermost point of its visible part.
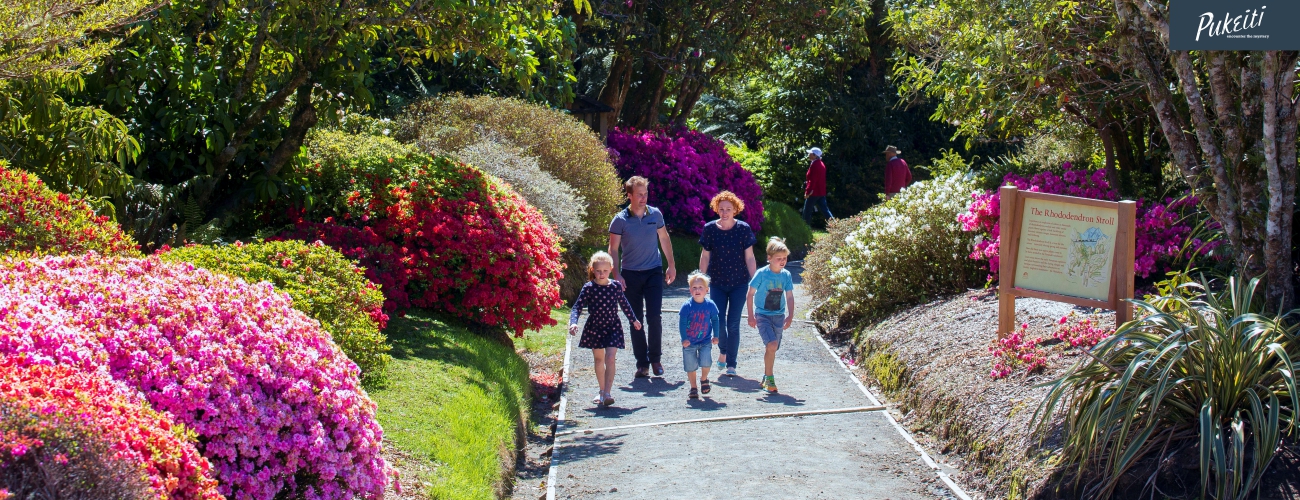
(769, 328)
(697, 355)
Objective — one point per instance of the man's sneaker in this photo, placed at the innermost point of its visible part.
(659, 369)
(642, 372)
(695, 394)
(731, 372)
(769, 383)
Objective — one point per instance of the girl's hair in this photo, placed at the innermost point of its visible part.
(635, 181)
(776, 245)
(697, 275)
(598, 257)
(727, 196)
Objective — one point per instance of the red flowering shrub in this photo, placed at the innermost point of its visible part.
(1017, 350)
(36, 219)
(323, 284)
(62, 397)
(277, 407)
(685, 168)
(436, 234)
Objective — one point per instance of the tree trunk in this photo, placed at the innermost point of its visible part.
(1280, 164)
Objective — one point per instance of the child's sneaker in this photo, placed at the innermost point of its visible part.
(769, 383)
(731, 372)
(722, 365)
(695, 394)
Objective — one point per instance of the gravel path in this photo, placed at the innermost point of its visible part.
(845, 455)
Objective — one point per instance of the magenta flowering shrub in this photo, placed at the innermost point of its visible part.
(1160, 228)
(685, 168)
(276, 406)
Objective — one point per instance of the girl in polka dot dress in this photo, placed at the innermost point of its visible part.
(603, 333)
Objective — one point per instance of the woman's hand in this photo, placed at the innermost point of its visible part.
(636, 325)
(573, 329)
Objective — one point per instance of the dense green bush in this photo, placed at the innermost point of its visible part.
(323, 284)
(784, 221)
(901, 252)
(565, 147)
(36, 219)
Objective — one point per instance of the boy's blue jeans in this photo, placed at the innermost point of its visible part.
(731, 305)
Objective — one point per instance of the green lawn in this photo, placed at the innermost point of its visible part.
(451, 404)
(549, 342)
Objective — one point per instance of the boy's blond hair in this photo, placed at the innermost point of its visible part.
(776, 245)
(599, 256)
(697, 275)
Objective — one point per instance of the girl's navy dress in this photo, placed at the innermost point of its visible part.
(602, 302)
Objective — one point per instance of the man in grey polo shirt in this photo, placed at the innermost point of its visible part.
(636, 233)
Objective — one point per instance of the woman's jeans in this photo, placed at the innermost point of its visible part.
(731, 306)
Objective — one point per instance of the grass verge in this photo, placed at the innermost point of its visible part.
(453, 404)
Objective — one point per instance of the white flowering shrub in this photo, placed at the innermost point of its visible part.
(902, 252)
(559, 202)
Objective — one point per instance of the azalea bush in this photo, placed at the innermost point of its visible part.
(904, 251)
(565, 148)
(1017, 350)
(435, 233)
(56, 456)
(323, 284)
(36, 219)
(686, 169)
(277, 407)
(1160, 229)
(54, 416)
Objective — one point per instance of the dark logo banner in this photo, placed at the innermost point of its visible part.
(1234, 25)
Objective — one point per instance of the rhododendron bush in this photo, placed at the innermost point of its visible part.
(1160, 228)
(276, 406)
(323, 284)
(904, 251)
(62, 397)
(685, 168)
(436, 234)
(36, 219)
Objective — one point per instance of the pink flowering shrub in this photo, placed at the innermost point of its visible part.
(1016, 351)
(1084, 332)
(61, 397)
(1160, 229)
(276, 406)
(685, 168)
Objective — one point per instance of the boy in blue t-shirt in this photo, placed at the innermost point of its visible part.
(772, 282)
(698, 323)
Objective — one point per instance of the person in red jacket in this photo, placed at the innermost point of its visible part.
(897, 175)
(814, 187)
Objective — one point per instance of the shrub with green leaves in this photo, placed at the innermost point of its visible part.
(565, 147)
(562, 206)
(902, 252)
(1200, 369)
(783, 220)
(323, 283)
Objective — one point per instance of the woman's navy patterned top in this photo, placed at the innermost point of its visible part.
(727, 252)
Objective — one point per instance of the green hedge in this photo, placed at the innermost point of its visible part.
(323, 283)
(783, 220)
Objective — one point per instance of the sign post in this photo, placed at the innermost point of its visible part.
(1067, 249)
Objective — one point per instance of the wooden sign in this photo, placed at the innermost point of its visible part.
(1067, 249)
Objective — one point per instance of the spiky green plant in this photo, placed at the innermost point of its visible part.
(1199, 368)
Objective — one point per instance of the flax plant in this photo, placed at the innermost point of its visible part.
(1199, 368)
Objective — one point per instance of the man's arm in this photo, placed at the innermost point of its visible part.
(667, 245)
(614, 240)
